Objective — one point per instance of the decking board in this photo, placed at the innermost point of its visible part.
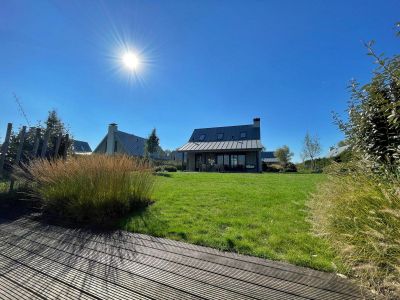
(123, 265)
(260, 285)
(212, 280)
(262, 275)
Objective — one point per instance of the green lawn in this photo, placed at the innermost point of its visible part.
(257, 214)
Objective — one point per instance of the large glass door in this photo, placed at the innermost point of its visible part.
(231, 162)
(198, 161)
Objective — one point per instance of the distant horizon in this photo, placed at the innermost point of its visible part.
(197, 65)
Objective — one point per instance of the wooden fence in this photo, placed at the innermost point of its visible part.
(34, 153)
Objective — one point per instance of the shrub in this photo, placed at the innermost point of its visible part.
(95, 189)
(290, 167)
(271, 167)
(159, 169)
(373, 125)
(170, 168)
(165, 168)
(359, 213)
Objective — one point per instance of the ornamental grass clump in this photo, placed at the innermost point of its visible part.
(359, 213)
(95, 189)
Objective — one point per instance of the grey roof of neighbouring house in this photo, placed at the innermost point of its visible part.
(337, 151)
(81, 146)
(132, 144)
(224, 138)
(268, 156)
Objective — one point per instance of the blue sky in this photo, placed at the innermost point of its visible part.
(204, 64)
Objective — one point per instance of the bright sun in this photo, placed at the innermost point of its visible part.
(130, 61)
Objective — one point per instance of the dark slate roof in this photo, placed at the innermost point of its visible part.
(267, 154)
(133, 145)
(80, 146)
(337, 151)
(224, 138)
(221, 145)
(230, 133)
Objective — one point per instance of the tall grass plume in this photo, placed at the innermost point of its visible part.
(359, 213)
(95, 189)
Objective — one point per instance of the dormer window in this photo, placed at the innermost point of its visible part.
(202, 137)
(220, 136)
(243, 135)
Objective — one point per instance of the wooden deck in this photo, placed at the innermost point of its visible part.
(40, 261)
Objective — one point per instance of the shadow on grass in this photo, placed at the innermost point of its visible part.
(163, 174)
(147, 221)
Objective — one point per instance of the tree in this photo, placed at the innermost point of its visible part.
(152, 143)
(373, 125)
(284, 155)
(56, 127)
(311, 149)
(54, 124)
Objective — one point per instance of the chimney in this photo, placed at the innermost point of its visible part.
(256, 122)
(112, 128)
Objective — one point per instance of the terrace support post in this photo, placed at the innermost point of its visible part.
(45, 142)
(66, 146)
(19, 153)
(4, 148)
(36, 143)
(58, 143)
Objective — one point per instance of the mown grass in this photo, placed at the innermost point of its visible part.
(257, 214)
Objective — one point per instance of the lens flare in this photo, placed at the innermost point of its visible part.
(130, 61)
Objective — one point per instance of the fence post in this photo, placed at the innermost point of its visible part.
(36, 143)
(57, 145)
(45, 142)
(4, 148)
(66, 146)
(19, 153)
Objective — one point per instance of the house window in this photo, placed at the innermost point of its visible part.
(243, 135)
(115, 147)
(234, 161)
(226, 161)
(202, 137)
(241, 161)
(220, 160)
(220, 136)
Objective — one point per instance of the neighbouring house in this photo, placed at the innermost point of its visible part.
(269, 158)
(177, 156)
(335, 152)
(121, 142)
(229, 148)
(81, 148)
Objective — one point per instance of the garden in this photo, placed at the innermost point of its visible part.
(344, 220)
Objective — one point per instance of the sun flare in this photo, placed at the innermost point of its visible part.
(130, 61)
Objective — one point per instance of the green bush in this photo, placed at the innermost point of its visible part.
(290, 167)
(95, 189)
(271, 167)
(165, 168)
(359, 212)
(159, 169)
(170, 168)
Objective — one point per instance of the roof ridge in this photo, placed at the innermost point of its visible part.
(224, 126)
(131, 134)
